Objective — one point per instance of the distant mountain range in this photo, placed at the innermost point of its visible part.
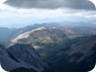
(10, 33)
(80, 28)
(47, 38)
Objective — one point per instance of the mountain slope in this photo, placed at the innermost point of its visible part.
(20, 58)
(37, 33)
(79, 57)
(10, 33)
(45, 38)
(49, 38)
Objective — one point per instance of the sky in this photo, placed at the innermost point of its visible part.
(19, 13)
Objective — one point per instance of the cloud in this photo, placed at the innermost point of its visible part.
(52, 4)
(37, 15)
(10, 16)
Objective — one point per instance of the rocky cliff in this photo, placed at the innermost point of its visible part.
(20, 58)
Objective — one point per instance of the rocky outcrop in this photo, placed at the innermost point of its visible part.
(79, 57)
(21, 58)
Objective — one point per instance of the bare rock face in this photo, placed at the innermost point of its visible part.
(20, 58)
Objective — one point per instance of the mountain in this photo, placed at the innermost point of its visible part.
(38, 30)
(48, 38)
(79, 57)
(21, 58)
(10, 33)
(5, 33)
(79, 28)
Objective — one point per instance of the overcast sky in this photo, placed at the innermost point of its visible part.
(18, 13)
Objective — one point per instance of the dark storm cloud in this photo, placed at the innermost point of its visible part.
(52, 4)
